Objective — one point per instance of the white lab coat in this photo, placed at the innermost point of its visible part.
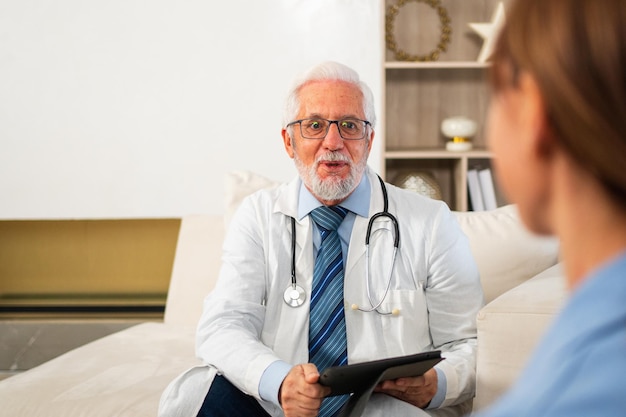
(246, 325)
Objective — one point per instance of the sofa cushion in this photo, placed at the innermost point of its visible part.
(509, 328)
(121, 375)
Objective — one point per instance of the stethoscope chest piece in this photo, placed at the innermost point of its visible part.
(294, 295)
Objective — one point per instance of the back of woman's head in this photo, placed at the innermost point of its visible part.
(576, 52)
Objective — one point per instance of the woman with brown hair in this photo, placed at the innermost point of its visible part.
(557, 127)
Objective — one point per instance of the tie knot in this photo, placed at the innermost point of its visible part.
(329, 218)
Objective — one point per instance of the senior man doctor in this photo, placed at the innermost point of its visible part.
(258, 334)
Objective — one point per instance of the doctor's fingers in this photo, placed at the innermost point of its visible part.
(301, 399)
(418, 391)
(428, 381)
(402, 384)
(300, 387)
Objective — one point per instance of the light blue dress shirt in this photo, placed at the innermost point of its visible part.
(357, 203)
(579, 369)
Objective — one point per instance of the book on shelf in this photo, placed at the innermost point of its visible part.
(482, 192)
(487, 188)
(475, 193)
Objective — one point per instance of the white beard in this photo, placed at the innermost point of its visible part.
(332, 188)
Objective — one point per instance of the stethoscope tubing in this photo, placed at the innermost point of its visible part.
(295, 295)
(367, 283)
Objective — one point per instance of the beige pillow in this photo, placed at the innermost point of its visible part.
(506, 253)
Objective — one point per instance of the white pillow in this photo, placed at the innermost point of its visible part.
(240, 184)
(506, 253)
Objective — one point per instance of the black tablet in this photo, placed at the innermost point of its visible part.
(360, 376)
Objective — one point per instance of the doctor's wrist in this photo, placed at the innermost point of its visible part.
(442, 388)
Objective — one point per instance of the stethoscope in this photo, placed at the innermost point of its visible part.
(295, 295)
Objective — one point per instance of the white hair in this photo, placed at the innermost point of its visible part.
(329, 71)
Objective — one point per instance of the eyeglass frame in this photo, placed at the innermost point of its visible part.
(330, 122)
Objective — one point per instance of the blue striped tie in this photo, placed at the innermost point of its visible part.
(327, 327)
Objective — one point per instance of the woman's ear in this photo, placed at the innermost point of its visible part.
(534, 117)
(287, 141)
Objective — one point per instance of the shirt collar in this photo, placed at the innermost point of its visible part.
(357, 202)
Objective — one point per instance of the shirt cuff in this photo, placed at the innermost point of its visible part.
(442, 388)
(272, 378)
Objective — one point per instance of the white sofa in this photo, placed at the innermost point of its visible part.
(125, 373)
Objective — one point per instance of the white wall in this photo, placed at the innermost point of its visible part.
(137, 108)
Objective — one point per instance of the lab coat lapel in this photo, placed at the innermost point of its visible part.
(356, 250)
(304, 255)
(287, 204)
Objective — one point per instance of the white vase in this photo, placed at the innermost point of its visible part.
(460, 130)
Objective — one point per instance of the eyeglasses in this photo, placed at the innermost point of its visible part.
(316, 128)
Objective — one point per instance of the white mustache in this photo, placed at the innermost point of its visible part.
(333, 157)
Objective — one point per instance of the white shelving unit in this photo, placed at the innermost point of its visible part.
(417, 96)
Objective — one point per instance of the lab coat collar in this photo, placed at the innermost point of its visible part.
(287, 201)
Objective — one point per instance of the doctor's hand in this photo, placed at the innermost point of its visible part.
(300, 395)
(418, 391)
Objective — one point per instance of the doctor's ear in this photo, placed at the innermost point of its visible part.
(288, 142)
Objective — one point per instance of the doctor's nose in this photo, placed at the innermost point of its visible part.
(333, 139)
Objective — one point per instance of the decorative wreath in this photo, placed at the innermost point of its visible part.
(444, 40)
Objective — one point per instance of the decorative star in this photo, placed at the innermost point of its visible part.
(489, 32)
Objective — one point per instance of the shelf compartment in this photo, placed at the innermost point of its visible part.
(448, 168)
(441, 169)
(418, 100)
(417, 28)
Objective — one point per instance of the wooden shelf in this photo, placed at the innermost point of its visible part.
(437, 154)
(418, 96)
(435, 65)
